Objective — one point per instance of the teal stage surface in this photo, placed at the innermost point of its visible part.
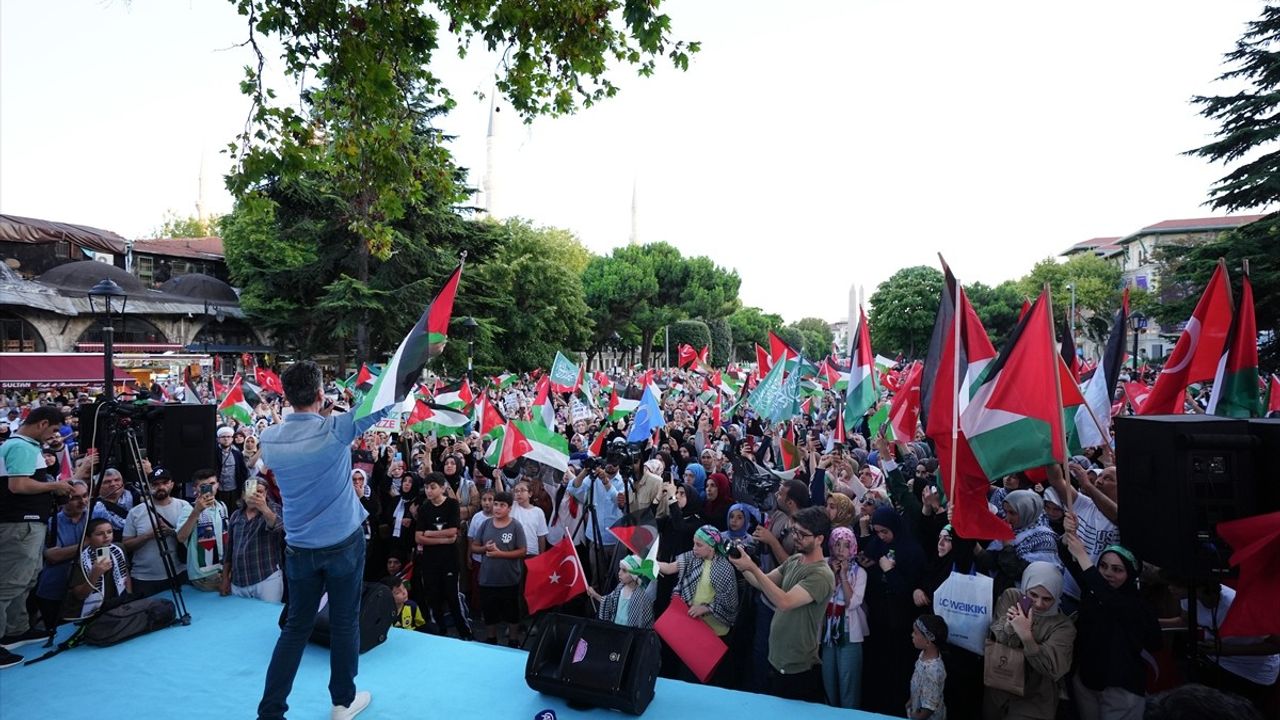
(214, 668)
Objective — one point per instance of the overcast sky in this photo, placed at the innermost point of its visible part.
(810, 146)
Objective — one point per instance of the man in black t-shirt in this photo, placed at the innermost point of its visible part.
(436, 569)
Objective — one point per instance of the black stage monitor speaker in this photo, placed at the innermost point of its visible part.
(182, 439)
(1178, 477)
(1266, 463)
(594, 663)
(377, 612)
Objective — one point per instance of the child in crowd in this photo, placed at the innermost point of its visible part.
(928, 635)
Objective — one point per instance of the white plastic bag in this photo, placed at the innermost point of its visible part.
(964, 601)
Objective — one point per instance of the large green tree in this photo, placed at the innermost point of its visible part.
(751, 326)
(1248, 119)
(997, 307)
(1097, 290)
(817, 337)
(903, 309)
(362, 136)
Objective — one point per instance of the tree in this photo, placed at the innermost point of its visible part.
(903, 310)
(817, 337)
(721, 341)
(1097, 289)
(688, 332)
(531, 297)
(1185, 271)
(789, 335)
(1249, 120)
(750, 327)
(176, 226)
(362, 135)
(997, 307)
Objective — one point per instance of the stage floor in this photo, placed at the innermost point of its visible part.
(214, 668)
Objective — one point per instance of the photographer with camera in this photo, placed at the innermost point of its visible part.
(140, 537)
(602, 498)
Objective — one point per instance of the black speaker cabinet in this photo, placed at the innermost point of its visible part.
(182, 439)
(594, 663)
(1178, 477)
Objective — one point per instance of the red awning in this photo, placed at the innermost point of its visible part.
(54, 370)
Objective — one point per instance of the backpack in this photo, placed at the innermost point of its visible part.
(129, 620)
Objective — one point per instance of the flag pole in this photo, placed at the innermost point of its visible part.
(955, 387)
(1057, 387)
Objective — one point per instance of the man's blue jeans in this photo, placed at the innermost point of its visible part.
(339, 571)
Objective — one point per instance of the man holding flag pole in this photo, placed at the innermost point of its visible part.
(310, 454)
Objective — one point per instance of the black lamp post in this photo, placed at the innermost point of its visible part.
(1137, 323)
(469, 326)
(615, 343)
(108, 300)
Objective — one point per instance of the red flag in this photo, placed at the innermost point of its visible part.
(1273, 401)
(691, 639)
(1195, 357)
(365, 378)
(489, 416)
(762, 360)
(1136, 393)
(715, 414)
(1255, 543)
(779, 349)
(219, 390)
(597, 445)
(514, 445)
(555, 577)
(904, 408)
(686, 355)
(269, 380)
(1026, 308)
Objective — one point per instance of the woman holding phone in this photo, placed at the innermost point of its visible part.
(1027, 618)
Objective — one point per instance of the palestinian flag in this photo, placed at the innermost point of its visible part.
(810, 388)
(958, 345)
(619, 408)
(503, 381)
(234, 405)
(780, 350)
(1101, 388)
(436, 420)
(564, 374)
(364, 378)
(1235, 386)
(863, 391)
(457, 396)
(596, 448)
(425, 340)
(838, 435)
(1014, 421)
(603, 381)
(543, 409)
(219, 390)
(726, 384)
(904, 407)
(509, 444)
(694, 360)
(546, 446)
(833, 378)
(1196, 356)
(879, 420)
(486, 417)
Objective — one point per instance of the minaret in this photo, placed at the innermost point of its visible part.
(635, 224)
(488, 187)
(201, 206)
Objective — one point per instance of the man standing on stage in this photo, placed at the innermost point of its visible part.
(310, 453)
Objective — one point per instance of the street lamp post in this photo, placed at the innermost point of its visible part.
(615, 343)
(1072, 288)
(469, 327)
(1138, 323)
(113, 300)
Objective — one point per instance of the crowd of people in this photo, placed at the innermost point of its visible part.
(824, 560)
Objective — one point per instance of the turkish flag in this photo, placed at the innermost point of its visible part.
(269, 380)
(555, 577)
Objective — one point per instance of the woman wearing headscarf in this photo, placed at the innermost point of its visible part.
(400, 517)
(1034, 541)
(696, 475)
(741, 521)
(1043, 634)
(716, 509)
(894, 563)
(846, 623)
(1113, 629)
(841, 510)
(706, 582)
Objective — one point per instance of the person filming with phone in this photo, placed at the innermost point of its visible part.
(102, 578)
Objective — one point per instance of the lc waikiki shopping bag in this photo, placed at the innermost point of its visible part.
(964, 601)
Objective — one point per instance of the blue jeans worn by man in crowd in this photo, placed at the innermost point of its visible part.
(339, 570)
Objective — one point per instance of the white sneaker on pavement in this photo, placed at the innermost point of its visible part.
(345, 712)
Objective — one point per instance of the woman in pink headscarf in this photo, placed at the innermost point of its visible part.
(846, 623)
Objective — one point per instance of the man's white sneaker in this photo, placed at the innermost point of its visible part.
(345, 712)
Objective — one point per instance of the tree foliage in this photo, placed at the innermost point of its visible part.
(1097, 290)
(1249, 120)
(788, 334)
(903, 310)
(750, 327)
(817, 337)
(189, 226)
(721, 341)
(1185, 271)
(997, 307)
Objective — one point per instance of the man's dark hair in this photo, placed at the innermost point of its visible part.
(813, 519)
(435, 478)
(503, 497)
(94, 524)
(1197, 702)
(798, 493)
(202, 474)
(301, 383)
(44, 413)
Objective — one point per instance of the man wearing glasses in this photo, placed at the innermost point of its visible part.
(799, 590)
(140, 537)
